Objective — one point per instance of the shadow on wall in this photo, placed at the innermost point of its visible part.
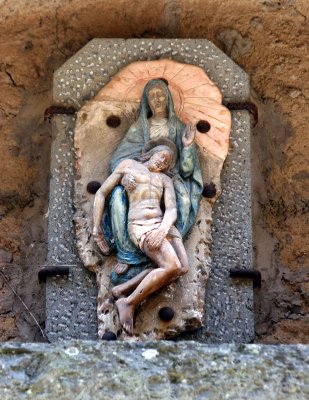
(281, 303)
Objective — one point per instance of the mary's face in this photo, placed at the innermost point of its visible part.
(160, 161)
(157, 100)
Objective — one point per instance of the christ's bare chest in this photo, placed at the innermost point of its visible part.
(146, 184)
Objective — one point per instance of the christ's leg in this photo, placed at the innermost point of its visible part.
(126, 288)
(169, 269)
(180, 250)
(127, 252)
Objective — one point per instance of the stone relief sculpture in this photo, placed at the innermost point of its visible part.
(163, 123)
(150, 229)
(147, 209)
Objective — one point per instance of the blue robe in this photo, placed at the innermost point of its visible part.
(187, 181)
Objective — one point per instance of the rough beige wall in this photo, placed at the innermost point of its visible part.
(267, 38)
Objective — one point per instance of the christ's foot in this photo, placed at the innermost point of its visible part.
(117, 292)
(121, 268)
(126, 315)
(102, 244)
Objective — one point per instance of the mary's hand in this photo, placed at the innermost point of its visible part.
(155, 238)
(100, 241)
(189, 135)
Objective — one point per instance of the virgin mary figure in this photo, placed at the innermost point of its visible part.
(157, 122)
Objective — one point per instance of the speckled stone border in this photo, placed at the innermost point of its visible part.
(81, 77)
(229, 314)
(229, 302)
(71, 303)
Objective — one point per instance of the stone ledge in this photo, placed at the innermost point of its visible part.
(153, 370)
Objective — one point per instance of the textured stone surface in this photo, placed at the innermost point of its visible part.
(161, 370)
(70, 302)
(230, 313)
(81, 77)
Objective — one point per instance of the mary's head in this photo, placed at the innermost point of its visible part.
(158, 100)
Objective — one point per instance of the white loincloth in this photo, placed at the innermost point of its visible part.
(139, 230)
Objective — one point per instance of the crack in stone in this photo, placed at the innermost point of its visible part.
(11, 78)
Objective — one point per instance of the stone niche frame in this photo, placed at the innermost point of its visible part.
(71, 302)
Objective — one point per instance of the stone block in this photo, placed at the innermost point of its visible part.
(153, 370)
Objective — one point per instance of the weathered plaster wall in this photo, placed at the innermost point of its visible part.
(267, 38)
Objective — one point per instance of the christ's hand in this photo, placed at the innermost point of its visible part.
(100, 241)
(155, 238)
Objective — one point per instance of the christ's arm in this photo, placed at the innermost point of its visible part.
(170, 214)
(99, 200)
